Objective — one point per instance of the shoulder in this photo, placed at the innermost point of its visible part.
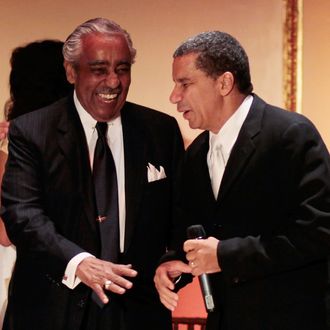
(48, 112)
(149, 122)
(199, 145)
(276, 124)
(44, 117)
(284, 130)
(278, 117)
(41, 124)
(140, 113)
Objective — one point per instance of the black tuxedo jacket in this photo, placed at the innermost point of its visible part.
(272, 217)
(49, 212)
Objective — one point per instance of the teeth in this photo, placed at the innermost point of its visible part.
(108, 96)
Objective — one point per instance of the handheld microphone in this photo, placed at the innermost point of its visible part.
(198, 232)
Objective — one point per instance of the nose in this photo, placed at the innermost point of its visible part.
(112, 80)
(175, 96)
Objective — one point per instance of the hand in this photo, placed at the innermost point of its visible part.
(202, 255)
(165, 275)
(4, 127)
(95, 273)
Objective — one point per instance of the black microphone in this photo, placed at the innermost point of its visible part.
(198, 232)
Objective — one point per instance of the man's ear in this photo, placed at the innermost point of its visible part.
(70, 72)
(226, 83)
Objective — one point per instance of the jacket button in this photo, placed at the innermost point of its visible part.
(82, 303)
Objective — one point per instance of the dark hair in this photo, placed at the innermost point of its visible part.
(37, 77)
(219, 52)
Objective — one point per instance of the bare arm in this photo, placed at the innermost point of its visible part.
(4, 126)
(4, 240)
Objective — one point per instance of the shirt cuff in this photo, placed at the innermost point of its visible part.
(70, 279)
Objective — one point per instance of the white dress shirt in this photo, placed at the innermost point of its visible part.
(116, 144)
(223, 142)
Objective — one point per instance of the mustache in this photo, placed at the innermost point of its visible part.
(107, 90)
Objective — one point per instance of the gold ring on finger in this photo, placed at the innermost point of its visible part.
(107, 284)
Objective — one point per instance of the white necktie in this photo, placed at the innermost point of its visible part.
(216, 166)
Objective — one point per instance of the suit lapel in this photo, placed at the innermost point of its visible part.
(135, 168)
(72, 142)
(200, 166)
(243, 148)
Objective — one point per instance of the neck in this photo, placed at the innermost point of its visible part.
(230, 104)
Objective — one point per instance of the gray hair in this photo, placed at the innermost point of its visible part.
(219, 52)
(72, 46)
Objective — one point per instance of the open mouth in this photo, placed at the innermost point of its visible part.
(107, 97)
(185, 113)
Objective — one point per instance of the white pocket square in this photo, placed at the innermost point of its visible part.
(154, 174)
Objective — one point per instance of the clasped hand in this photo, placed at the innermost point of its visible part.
(202, 257)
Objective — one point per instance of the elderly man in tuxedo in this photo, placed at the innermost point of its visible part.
(258, 180)
(88, 196)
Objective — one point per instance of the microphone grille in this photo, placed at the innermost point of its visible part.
(196, 231)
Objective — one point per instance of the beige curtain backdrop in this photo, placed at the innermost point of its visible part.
(156, 27)
(316, 65)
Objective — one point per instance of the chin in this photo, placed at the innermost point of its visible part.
(192, 126)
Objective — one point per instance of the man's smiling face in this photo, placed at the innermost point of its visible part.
(102, 75)
(196, 95)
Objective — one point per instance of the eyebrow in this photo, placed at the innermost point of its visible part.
(94, 63)
(101, 62)
(183, 80)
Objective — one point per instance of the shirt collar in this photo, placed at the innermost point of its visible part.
(87, 120)
(228, 133)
